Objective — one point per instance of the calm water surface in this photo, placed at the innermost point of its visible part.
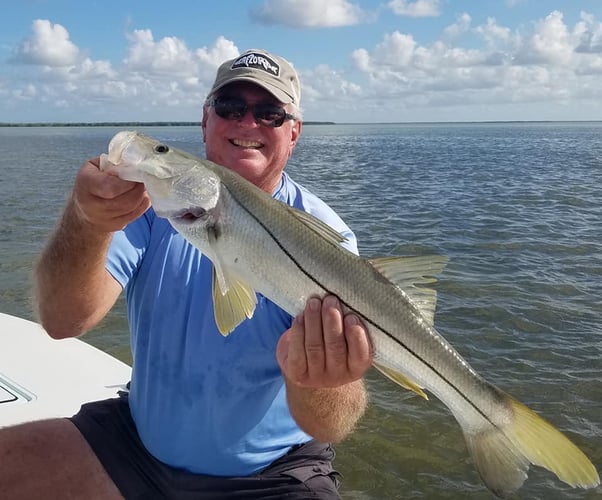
(516, 207)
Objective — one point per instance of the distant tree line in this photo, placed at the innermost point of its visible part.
(100, 124)
(122, 124)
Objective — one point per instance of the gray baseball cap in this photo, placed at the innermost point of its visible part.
(274, 73)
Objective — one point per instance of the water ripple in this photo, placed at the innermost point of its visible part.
(516, 207)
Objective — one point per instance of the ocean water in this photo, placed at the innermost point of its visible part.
(517, 208)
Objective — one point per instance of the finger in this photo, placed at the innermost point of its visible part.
(100, 183)
(335, 345)
(111, 214)
(282, 349)
(314, 339)
(293, 355)
(120, 219)
(110, 187)
(358, 345)
(103, 204)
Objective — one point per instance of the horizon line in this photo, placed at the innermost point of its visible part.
(172, 123)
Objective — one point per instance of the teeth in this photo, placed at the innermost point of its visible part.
(246, 144)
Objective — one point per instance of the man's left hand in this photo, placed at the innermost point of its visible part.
(323, 347)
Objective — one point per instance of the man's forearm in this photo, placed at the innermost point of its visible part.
(70, 277)
(327, 414)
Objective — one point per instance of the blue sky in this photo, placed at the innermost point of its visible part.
(359, 61)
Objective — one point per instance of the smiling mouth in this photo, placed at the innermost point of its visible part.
(246, 144)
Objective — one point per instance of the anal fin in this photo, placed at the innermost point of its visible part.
(400, 379)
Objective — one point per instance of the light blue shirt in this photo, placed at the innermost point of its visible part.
(203, 402)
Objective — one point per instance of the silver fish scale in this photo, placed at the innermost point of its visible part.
(288, 261)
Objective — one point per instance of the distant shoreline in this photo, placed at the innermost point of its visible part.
(198, 124)
(123, 124)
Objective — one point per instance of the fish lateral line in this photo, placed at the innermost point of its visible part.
(361, 315)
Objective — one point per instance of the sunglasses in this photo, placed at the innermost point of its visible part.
(264, 113)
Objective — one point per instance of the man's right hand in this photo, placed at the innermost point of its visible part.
(105, 202)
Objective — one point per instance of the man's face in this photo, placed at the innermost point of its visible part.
(257, 152)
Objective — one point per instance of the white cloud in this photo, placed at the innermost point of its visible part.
(308, 13)
(222, 50)
(155, 74)
(170, 57)
(49, 45)
(550, 43)
(551, 62)
(396, 51)
(400, 58)
(416, 8)
(462, 25)
(323, 82)
(166, 56)
(589, 33)
(470, 67)
(28, 92)
(86, 69)
(494, 34)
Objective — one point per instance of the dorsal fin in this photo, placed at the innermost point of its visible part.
(407, 272)
(320, 227)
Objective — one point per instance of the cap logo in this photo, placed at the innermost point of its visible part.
(257, 61)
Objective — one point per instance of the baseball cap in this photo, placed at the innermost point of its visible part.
(273, 73)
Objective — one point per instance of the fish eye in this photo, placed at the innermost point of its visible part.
(161, 148)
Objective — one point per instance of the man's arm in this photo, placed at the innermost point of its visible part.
(323, 357)
(73, 290)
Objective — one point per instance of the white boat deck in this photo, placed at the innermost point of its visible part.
(43, 378)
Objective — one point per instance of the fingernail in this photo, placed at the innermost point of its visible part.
(351, 320)
(314, 304)
(331, 301)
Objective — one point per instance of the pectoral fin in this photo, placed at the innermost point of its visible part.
(400, 379)
(233, 301)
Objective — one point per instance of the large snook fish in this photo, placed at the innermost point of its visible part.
(258, 244)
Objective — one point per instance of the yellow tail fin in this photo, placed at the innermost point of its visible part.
(502, 454)
(547, 447)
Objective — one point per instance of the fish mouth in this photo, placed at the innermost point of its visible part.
(187, 215)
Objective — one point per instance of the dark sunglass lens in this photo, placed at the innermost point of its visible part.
(232, 108)
(269, 114)
(229, 108)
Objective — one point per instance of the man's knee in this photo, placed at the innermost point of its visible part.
(50, 459)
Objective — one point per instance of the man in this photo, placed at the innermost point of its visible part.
(247, 416)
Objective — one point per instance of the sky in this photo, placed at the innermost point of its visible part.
(358, 61)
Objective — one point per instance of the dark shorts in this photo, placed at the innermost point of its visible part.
(304, 472)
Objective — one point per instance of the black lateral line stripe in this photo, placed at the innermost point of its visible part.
(368, 320)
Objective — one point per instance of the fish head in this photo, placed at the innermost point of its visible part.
(179, 185)
(133, 156)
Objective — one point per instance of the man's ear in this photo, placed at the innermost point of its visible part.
(204, 122)
(295, 133)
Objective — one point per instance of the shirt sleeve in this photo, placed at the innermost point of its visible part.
(127, 248)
